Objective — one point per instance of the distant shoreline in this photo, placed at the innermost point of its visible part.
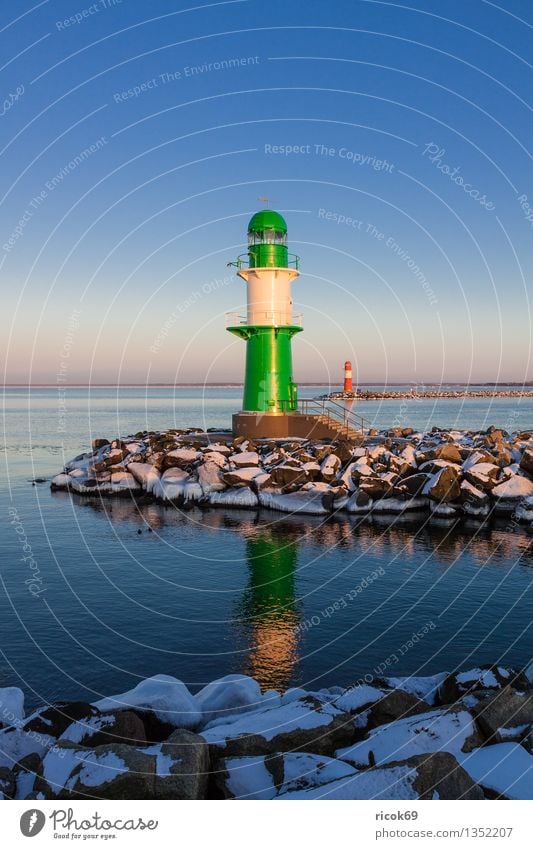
(230, 385)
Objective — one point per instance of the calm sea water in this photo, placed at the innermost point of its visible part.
(288, 600)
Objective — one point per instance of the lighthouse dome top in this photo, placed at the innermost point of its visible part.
(267, 219)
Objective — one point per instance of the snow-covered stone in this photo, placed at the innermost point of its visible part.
(244, 458)
(294, 502)
(450, 731)
(269, 777)
(302, 724)
(358, 697)
(505, 768)
(168, 698)
(11, 705)
(425, 688)
(228, 696)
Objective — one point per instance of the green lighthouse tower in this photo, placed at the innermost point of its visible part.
(268, 327)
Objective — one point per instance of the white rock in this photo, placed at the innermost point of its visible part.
(166, 696)
(11, 705)
(358, 697)
(230, 695)
(423, 687)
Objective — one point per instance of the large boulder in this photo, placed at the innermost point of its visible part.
(414, 484)
(434, 776)
(526, 461)
(506, 716)
(174, 769)
(457, 685)
(11, 706)
(288, 475)
(443, 486)
(269, 776)
(304, 723)
(452, 731)
(210, 477)
(54, 719)
(503, 770)
(182, 766)
(227, 697)
(425, 687)
(7, 783)
(165, 696)
(100, 729)
(396, 704)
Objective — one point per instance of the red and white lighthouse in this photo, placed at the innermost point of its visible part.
(348, 384)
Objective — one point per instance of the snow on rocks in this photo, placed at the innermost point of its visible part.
(372, 741)
(11, 705)
(441, 730)
(437, 776)
(505, 769)
(227, 696)
(304, 723)
(168, 698)
(447, 475)
(424, 688)
(268, 777)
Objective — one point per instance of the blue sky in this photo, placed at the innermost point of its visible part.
(137, 138)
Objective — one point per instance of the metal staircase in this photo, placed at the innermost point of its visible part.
(337, 417)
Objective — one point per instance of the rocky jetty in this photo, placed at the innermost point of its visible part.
(401, 394)
(464, 735)
(447, 475)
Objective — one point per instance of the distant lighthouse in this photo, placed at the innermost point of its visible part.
(269, 325)
(348, 382)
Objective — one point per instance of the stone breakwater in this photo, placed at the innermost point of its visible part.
(444, 474)
(400, 394)
(464, 735)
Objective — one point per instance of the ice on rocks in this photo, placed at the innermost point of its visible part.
(294, 502)
(242, 497)
(145, 474)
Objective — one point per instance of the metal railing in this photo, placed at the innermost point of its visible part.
(335, 412)
(243, 261)
(267, 317)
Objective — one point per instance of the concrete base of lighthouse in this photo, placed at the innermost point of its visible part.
(281, 426)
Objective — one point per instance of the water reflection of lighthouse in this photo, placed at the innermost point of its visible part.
(269, 611)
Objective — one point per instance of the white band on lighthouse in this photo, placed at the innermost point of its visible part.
(269, 300)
